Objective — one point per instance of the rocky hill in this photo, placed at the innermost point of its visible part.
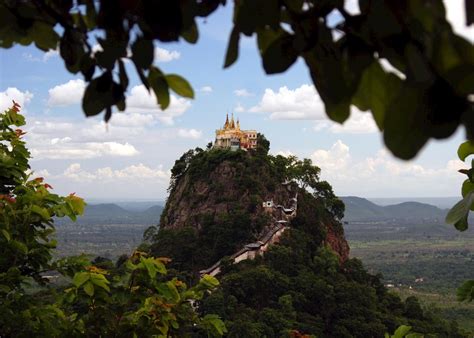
(219, 186)
(271, 231)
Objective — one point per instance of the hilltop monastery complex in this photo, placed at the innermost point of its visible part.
(231, 136)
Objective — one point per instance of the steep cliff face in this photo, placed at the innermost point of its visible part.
(225, 189)
(215, 185)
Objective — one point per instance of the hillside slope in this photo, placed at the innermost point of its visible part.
(302, 283)
(110, 213)
(362, 210)
(219, 199)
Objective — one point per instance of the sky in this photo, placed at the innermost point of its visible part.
(130, 158)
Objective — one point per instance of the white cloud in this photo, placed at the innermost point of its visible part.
(131, 120)
(46, 56)
(239, 108)
(30, 57)
(50, 54)
(382, 174)
(165, 55)
(48, 127)
(206, 89)
(41, 173)
(302, 103)
(358, 123)
(66, 149)
(334, 160)
(242, 92)
(74, 172)
(352, 7)
(285, 153)
(67, 94)
(142, 101)
(136, 172)
(190, 133)
(58, 140)
(14, 94)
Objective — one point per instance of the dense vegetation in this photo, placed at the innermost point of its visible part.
(254, 175)
(135, 297)
(300, 286)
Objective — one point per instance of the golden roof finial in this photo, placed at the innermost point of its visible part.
(232, 123)
(226, 124)
(238, 124)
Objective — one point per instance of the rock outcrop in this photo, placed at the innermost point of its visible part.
(216, 184)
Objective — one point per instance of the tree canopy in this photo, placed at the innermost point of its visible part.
(135, 298)
(426, 92)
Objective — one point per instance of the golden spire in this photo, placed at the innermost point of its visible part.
(238, 124)
(226, 124)
(232, 123)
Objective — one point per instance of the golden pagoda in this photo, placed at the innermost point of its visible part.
(232, 137)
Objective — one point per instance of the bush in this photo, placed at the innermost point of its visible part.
(135, 298)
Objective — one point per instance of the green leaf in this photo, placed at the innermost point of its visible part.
(462, 224)
(102, 92)
(279, 55)
(265, 37)
(469, 12)
(467, 186)
(100, 281)
(376, 91)
(93, 100)
(216, 323)
(44, 213)
(89, 288)
(80, 278)
(6, 234)
(338, 112)
(77, 204)
(179, 85)
(460, 210)
(466, 291)
(160, 87)
(401, 331)
(405, 124)
(150, 266)
(123, 75)
(465, 149)
(191, 35)
(169, 291)
(415, 335)
(143, 52)
(44, 36)
(19, 246)
(71, 49)
(233, 48)
(209, 281)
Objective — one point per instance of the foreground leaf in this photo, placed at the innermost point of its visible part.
(466, 291)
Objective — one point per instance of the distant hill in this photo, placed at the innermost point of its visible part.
(110, 213)
(362, 210)
(440, 202)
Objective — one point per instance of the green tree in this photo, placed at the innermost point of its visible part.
(426, 97)
(136, 298)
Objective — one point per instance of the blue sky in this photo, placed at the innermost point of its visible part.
(131, 157)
